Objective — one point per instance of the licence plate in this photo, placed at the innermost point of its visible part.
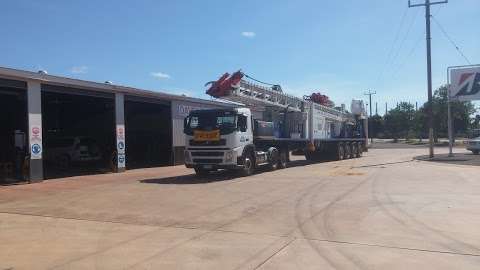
(201, 136)
(207, 166)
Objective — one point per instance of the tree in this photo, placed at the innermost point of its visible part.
(399, 121)
(419, 125)
(462, 113)
(376, 126)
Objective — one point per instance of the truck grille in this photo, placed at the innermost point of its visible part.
(207, 160)
(208, 143)
(207, 154)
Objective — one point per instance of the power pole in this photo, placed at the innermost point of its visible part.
(376, 108)
(369, 94)
(427, 5)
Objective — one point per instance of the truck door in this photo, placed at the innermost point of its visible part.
(245, 129)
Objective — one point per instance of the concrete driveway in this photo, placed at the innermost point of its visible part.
(382, 211)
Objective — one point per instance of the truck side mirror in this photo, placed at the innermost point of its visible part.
(185, 120)
(242, 123)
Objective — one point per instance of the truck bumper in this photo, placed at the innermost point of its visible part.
(215, 166)
(212, 159)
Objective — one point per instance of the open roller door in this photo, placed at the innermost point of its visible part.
(148, 133)
(13, 127)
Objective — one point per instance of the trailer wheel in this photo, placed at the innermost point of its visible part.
(354, 150)
(360, 150)
(309, 155)
(248, 165)
(340, 153)
(348, 151)
(282, 161)
(357, 151)
(312, 156)
(273, 157)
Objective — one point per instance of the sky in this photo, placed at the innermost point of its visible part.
(340, 48)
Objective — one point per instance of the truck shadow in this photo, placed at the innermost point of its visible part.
(223, 175)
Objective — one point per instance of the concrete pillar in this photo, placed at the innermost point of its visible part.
(120, 131)
(34, 100)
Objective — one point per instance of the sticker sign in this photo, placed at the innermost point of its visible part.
(121, 146)
(465, 84)
(35, 134)
(121, 160)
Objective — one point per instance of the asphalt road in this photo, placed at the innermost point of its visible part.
(382, 211)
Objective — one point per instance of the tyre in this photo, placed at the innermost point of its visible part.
(312, 156)
(273, 157)
(340, 153)
(283, 159)
(201, 171)
(348, 151)
(354, 150)
(475, 152)
(248, 165)
(309, 156)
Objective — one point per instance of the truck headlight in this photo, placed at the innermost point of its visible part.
(229, 156)
(188, 159)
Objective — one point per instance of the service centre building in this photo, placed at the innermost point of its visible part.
(55, 126)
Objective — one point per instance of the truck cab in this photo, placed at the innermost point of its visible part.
(217, 139)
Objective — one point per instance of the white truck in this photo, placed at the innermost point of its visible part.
(267, 128)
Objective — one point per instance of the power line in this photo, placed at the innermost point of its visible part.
(253, 79)
(410, 53)
(450, 39)
(389, 55)
(405, 37)
(412, 50)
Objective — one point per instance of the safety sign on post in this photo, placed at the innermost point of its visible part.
(35, 140)
(121, 146)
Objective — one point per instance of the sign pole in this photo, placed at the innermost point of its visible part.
(450, 125)
(449, 117)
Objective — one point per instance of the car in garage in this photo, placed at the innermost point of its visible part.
(473, 145)
(64, 151)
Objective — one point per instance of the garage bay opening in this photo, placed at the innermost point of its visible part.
(13, 131)
(148, 133)
(79, 131)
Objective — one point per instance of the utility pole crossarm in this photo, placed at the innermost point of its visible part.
(424, 4)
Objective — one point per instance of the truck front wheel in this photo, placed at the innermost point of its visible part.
(248, 165)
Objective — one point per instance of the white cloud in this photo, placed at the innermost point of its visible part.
(160, 75)
(79, 69)
(248, 34)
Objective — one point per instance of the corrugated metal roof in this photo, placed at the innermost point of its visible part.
(16, 74)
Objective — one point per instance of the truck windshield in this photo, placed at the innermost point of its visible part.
(225, 123)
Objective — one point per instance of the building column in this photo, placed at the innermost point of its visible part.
(34, 100)
(120, 131)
